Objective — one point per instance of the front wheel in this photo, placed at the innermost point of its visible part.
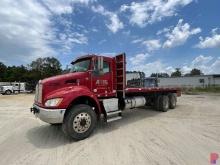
(79, 122)
(8, 92)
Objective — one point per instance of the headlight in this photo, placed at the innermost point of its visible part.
(53, 102)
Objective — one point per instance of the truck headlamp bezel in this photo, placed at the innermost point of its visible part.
(53, 102)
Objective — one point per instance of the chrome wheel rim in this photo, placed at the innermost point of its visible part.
(81, 122)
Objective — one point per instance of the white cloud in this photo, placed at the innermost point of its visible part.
(139, 13)
(114, 23)
(207, 64)
(148, 12)
(210, 42)
(102, 41)
(94, 30)
(174, 36)
(164, 30)
(127, 33)
(215, 67)
(138, 63)
(24, 34)
(139, 58)
(67, 40)
(137, 41)
(63, 6)
(153, 67)
(186, 69)
(109, 54)
(201, 60)
(179, 35)
(58, 7)
(27, 31)
(152, 44)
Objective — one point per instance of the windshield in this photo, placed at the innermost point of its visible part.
(80, 66)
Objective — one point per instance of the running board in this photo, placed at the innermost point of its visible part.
(114, 115)
(113, 119)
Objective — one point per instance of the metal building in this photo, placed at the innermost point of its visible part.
(191, 81)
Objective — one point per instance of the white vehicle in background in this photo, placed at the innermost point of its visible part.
(15, 87)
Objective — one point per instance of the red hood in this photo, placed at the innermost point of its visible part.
(60, 79)
(71, 79)
(54, 83)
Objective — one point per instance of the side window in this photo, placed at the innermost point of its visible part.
(106, 67)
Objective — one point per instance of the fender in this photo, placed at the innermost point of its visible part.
(69, 94)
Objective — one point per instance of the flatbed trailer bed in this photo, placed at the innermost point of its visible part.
(153, 89)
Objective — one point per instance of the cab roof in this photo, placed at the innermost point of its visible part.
(87, 56)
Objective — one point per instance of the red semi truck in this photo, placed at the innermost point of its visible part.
(95, 88)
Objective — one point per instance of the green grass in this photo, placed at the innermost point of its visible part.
(197, 90)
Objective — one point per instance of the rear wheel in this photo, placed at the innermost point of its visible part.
(172, 100)
(162, 103)
(79, 122)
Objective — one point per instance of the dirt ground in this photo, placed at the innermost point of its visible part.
(185, 135)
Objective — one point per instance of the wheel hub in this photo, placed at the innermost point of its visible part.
(81, 122)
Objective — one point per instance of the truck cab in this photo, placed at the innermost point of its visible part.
(14, 87)
(94, 88)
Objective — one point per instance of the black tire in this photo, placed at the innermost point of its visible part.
(55, 124)
(172, 100)
(83, 117)
(8, 92)
(162, 103)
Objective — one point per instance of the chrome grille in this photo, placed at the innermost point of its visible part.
(38, 93)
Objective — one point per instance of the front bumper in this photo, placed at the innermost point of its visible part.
(51, 116)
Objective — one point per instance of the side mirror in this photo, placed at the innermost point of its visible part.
(100, 63)
(98, 66)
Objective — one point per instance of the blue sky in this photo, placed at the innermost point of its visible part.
(156, 35)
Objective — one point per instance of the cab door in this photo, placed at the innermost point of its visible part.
(102, 77)
(16, 86)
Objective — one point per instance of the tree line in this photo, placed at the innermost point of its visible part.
(50, 66)
(178, 73)
(36, 70)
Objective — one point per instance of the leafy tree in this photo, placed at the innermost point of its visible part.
(142, 75)
(177, 73)
(45, 67)
(196, 72)
(38, 69)
(66, 70)
(13, 73)
(3, 69)
(159, 75)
